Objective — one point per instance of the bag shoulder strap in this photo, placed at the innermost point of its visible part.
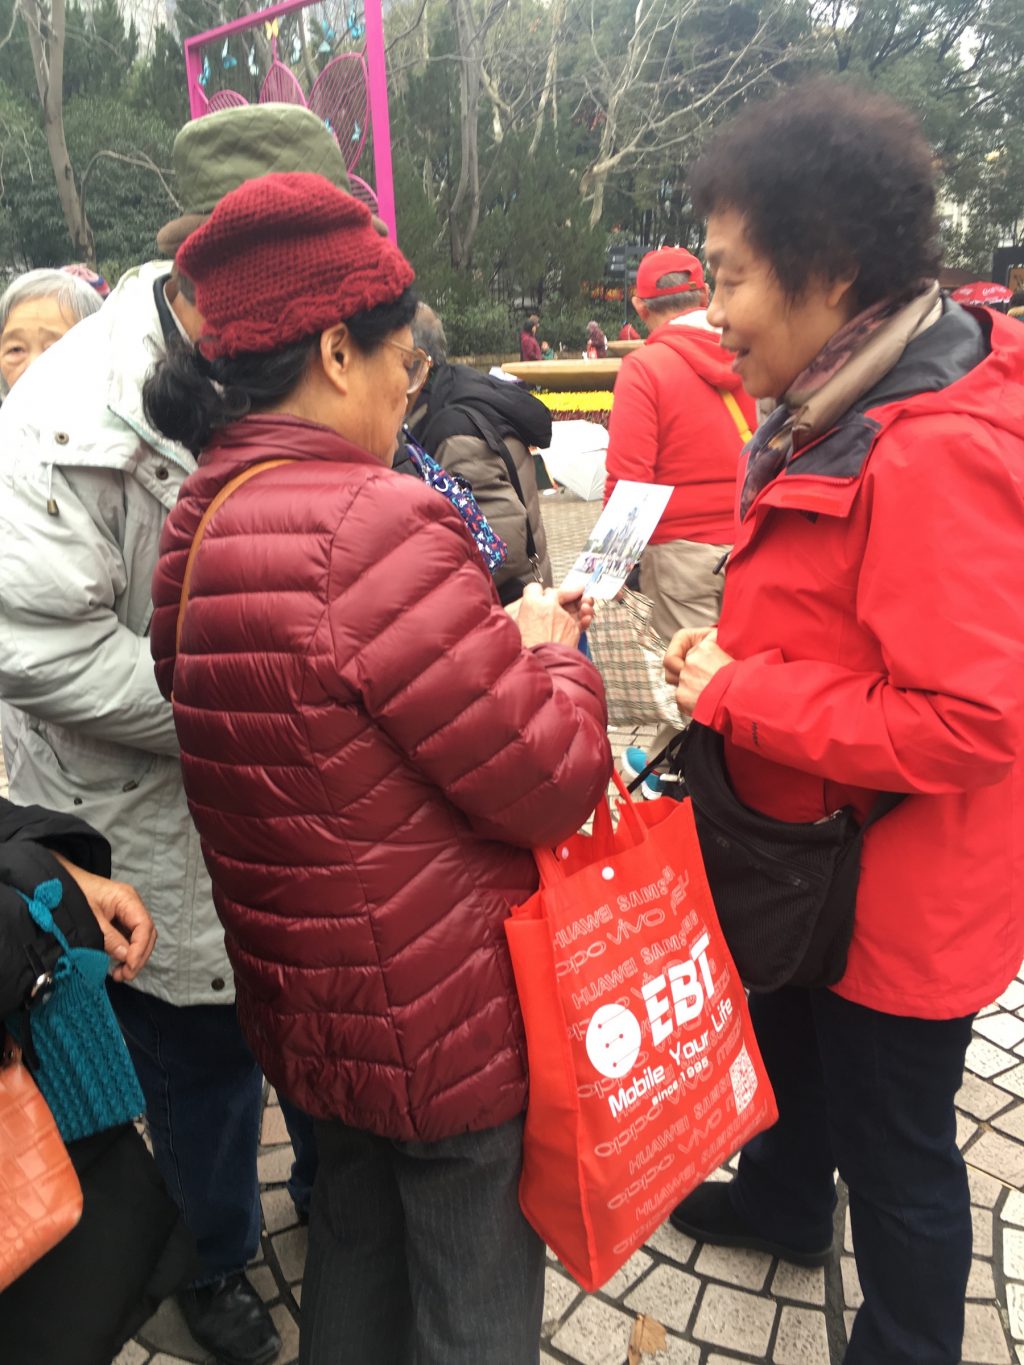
(736, 413)
(215, 504)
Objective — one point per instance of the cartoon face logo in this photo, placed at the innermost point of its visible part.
(613, 1040)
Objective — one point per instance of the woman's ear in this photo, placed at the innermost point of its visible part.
(336, 356)
(841, 288)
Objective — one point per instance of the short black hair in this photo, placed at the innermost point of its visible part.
(830, 178)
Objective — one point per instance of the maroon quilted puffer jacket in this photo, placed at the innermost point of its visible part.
(368, 752)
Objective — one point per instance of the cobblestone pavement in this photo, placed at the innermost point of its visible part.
(719, 1306)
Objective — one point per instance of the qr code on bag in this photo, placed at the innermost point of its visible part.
(744, 1080)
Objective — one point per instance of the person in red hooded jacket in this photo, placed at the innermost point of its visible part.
(370, 747)
(871, 641)
(680, 417)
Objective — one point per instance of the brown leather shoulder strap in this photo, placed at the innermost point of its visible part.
(211, 511)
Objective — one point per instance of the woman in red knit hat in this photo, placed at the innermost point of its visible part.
(370, 747)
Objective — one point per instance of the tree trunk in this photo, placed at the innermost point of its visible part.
(46, 40)
(465, 208)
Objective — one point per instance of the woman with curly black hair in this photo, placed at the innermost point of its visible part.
(871, 641)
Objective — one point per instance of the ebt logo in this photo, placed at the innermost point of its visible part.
(673, 999)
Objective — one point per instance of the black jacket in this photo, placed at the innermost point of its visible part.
(28, 834)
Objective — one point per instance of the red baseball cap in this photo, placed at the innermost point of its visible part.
(668, 260)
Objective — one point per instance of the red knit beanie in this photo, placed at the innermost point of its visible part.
(283, 257)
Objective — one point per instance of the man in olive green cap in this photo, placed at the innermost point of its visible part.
(85, 485)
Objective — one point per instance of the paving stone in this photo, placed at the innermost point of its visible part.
(965, 1130)
(1012, 1081)
(1013, 1210)
(1015, 1308)
(132, 1354)
(667, 1294)
(736, 1320)
(671, 1243)
(735, 1265)
(1011, 1123)
(164, 1359)
(980, 1099)
(559, 1293)
(980, 1282)
(985, 1189)
(629, 1274)
(803, 1283)
(985, 1059)
(1013, 1253)
(595, 1333)
(852, 1293)
(802, 1338)
(263, 1282)
(1013, 997)
(677, 1353)
(1005, 1030)
(848, 1318)
(981, 1222)
(278, 1211)
(717, 1359)
(274, 1165)
(1000, 1156)
(847, 1232)
(274, 1130)
(290, 1250)
(984, 1340)
(288, 1331)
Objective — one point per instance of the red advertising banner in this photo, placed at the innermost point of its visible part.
(644, 1071)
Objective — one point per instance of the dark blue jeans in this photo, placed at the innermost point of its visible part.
(203, 1092)
(418, 1252)
(872, 1095)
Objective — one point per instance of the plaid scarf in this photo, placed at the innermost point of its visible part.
(847, 367)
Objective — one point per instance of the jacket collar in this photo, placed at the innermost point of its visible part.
(136, 345)
(266, 437)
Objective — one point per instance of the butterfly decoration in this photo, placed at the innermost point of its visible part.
(204, 75)
(296, 48)
(254, 66)
(226, 60)
(355, 26)
(272, 29)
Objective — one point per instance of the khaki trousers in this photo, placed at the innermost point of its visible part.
(679, 578)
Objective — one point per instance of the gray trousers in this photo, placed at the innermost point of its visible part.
(679, 578)
(419, 1253)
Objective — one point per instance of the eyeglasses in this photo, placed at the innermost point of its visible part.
(417, 365)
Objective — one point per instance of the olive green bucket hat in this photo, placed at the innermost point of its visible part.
(218, 152)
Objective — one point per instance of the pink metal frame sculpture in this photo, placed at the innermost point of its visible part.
(377, 87)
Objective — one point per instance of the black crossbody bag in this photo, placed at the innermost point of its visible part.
(785, 892)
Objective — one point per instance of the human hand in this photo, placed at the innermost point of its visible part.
(542, 620)
(700, 663)
(129, 934)
(679, 646)
(581, 608)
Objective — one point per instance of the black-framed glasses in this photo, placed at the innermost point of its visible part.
(417, 365)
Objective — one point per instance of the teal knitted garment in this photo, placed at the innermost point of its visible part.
(84, 1070)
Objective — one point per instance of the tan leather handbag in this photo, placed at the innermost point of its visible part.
(40, 1197)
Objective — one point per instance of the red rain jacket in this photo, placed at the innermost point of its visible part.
(369, 753)
(874, 605)
(670, 425)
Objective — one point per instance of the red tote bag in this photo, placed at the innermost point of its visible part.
(644, 1072)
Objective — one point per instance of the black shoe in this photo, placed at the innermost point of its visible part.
(230, 1319)
(709, 1215)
